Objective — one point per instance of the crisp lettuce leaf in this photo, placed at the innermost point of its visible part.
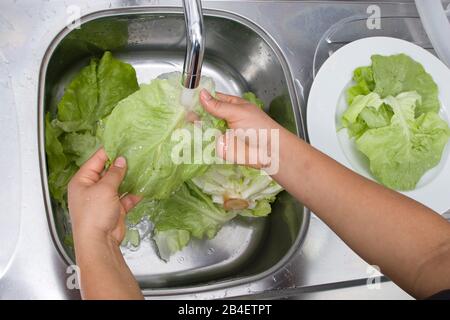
(252, 98)
(170, 241)
(377, 117)
(280, 109)
(80, 146)
(140, 129)
(58, 181)
(403, 151)
(364, 113)
(56, 158)
(354, 117)
(237, 188)
(60, 168)
(79, 100)
(400, 73)
(187, 213)
(363, 77)
(94, 92)
(74, 135)
(372, 100)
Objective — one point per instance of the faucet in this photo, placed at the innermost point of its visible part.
(195, 44)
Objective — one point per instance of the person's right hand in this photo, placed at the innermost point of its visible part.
(241, 116)
(238, 112)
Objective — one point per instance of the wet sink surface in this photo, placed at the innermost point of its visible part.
(239, 57)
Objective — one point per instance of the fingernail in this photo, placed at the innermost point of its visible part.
(205, 94)
(120, 162)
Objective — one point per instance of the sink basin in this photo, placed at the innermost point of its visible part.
(240, 57)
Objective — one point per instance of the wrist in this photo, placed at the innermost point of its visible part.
(94, 241)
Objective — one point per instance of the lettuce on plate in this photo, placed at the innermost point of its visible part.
(403, 151)
(391, 75)
(363, 77)
(399, 73)
(393, 116)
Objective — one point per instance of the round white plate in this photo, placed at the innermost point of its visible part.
(326, 104)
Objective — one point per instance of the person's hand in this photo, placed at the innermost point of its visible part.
(238, 112)
(96, 209)
(247, 120)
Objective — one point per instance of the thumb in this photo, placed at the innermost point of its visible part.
(115, 173)
(217, 108)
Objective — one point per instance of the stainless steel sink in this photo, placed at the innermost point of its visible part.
(33, 266)
(239, 57)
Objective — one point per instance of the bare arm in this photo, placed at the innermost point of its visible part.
(103, 271)
(409, 242)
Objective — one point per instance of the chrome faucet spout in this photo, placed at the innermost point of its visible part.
(195, 43)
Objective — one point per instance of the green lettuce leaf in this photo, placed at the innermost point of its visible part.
(372, 100)
(94, 92)
(362, 108)
(80, 146)
(377, 117)
(280, 109)
(399, 73)
(74, 135)
(252, 98)
(187, 213)
(403, 151)
(363, 77)
(56, 158)
(225, 182)
(140, 129)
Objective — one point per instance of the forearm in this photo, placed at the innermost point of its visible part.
(386, 228)
(103, 271)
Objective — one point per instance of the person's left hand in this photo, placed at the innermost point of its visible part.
(96, 209)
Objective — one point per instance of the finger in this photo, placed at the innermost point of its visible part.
(130, 201)
(192, 116)
(115, 173)
(217, 108)
(230, 99)
(90, 172)
(234, 150)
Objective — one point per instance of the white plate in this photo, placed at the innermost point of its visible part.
(326, 104)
